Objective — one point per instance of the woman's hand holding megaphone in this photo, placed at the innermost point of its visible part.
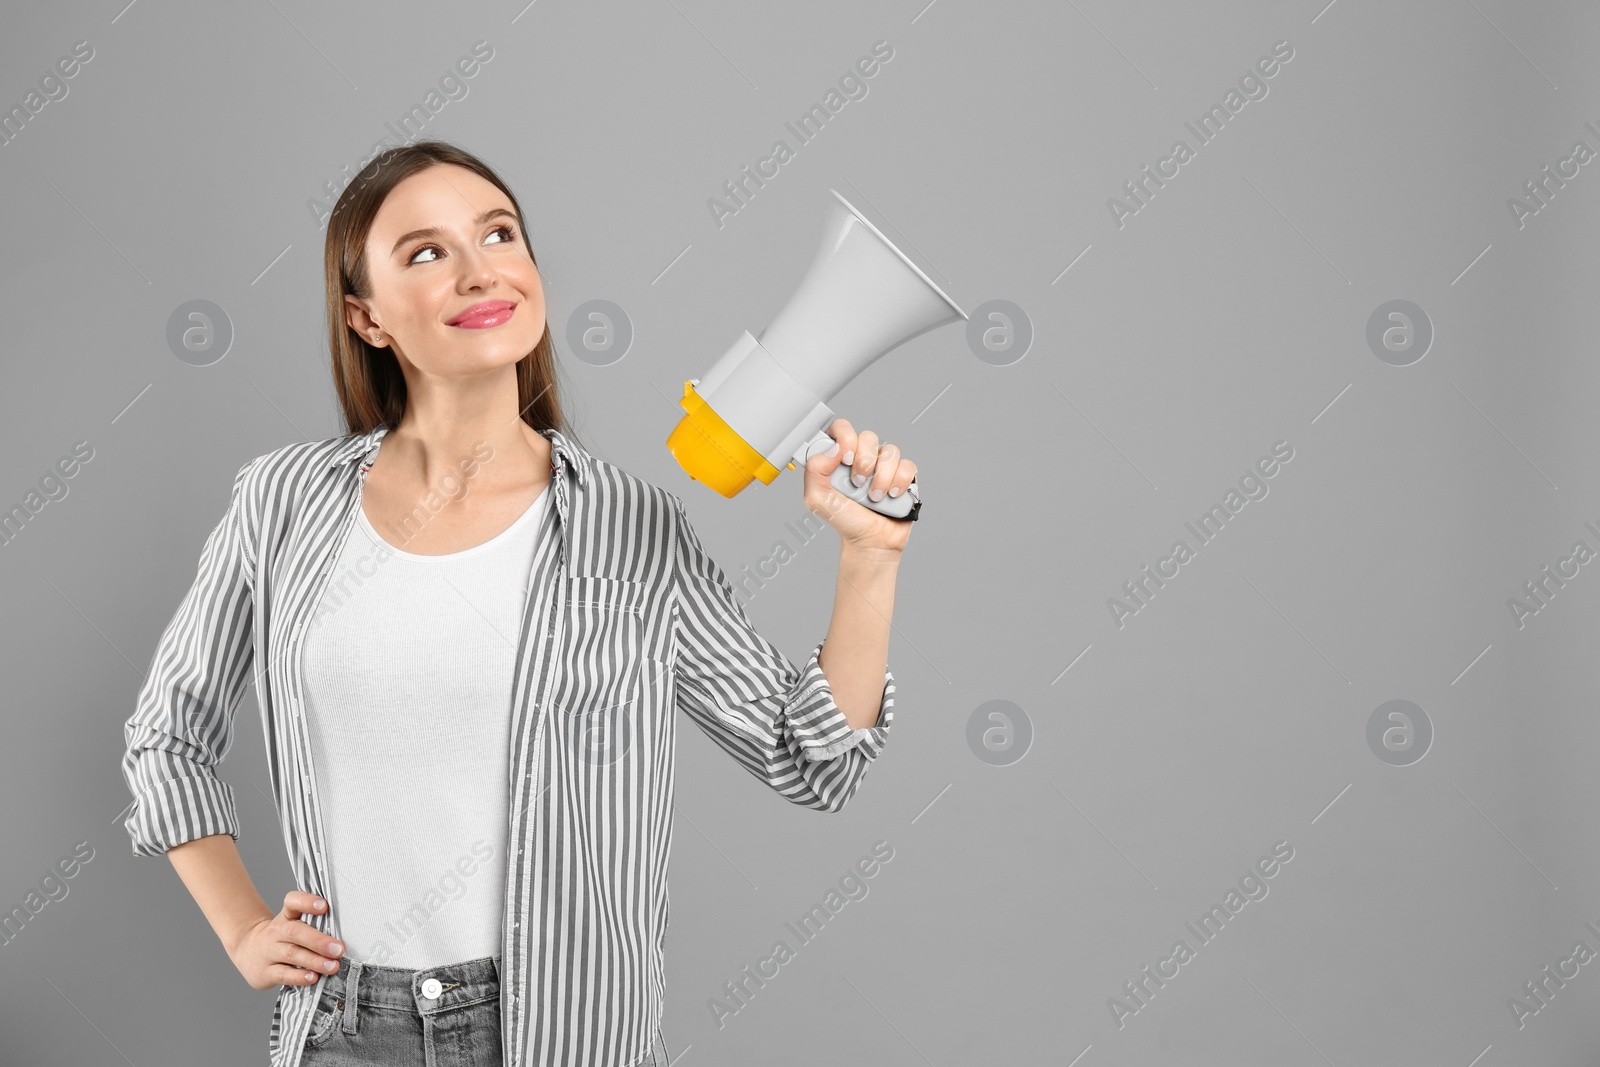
(878, 470)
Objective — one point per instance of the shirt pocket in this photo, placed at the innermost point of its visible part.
(600, 671)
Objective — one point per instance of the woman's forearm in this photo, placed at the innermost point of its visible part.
(214, 873)
(856, 651)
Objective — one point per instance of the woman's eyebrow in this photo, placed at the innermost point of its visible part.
(434, 231)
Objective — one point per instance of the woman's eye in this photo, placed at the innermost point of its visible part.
(511, 235)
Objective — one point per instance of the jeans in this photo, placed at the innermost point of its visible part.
(367, 1014)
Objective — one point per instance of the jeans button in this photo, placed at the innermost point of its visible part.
(432, 988)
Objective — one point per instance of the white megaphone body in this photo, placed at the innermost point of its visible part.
(765, 404)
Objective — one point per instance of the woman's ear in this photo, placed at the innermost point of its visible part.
(357, 316)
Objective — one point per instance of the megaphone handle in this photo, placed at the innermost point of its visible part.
(905, 506)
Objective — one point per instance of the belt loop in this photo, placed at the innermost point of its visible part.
(350, 985)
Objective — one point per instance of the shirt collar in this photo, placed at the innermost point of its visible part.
(563, 452)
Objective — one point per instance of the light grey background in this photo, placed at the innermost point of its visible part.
(1230, 313)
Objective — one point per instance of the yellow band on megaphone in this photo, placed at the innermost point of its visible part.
(711, 451)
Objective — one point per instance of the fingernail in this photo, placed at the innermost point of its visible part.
(858, 479)
(336, 947)
(894, 490)
(832, 450)
(849, 457)
(331, 965)
(876, 494)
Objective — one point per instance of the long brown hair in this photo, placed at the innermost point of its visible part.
(368, 380)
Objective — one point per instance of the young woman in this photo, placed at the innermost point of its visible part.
(469, 638)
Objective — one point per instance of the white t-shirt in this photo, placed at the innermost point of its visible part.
(408, 670)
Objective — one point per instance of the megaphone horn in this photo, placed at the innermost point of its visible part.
(764, 404)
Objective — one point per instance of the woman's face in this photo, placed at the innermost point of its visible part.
(429, 289)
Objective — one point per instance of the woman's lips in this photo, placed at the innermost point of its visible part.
(483, 316)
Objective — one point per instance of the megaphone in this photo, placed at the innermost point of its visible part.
(764, 404)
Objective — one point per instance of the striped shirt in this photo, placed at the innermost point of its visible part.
(628, 619)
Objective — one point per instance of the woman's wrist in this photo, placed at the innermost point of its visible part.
(234, 937)
(851, 552)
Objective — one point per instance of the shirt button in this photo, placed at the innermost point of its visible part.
(432, 988)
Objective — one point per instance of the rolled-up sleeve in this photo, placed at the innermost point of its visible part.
(778, 720)
(182, 725)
